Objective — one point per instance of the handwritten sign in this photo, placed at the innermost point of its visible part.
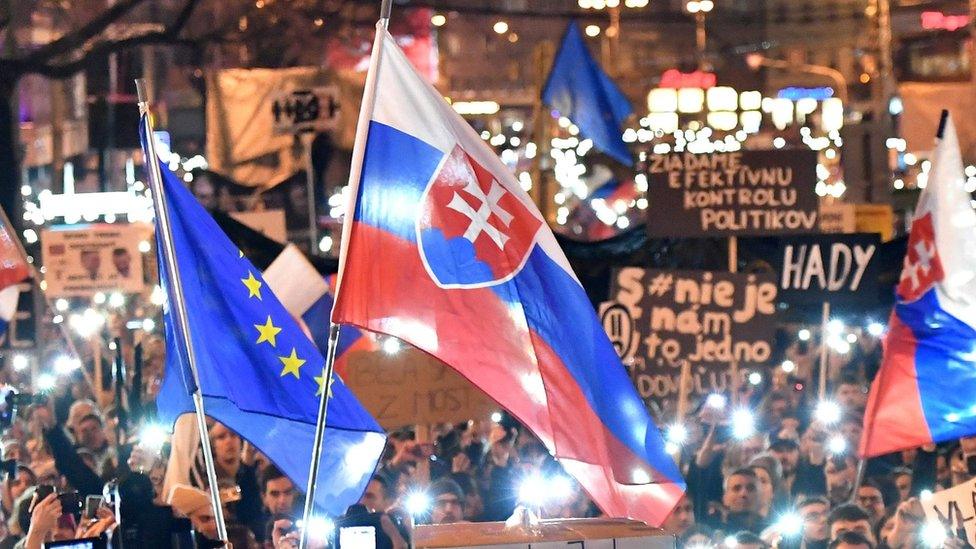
(955, 508)
(411, 388)
(735, 193)
(314, 109)
(814, 269)
(660, 319)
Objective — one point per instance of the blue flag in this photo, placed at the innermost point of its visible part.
(259, 373)
(579, 89)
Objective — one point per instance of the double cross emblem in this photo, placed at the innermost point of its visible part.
(480, 217)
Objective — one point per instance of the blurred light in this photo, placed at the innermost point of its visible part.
(472, 108)
(325, 244)
(779, 142)
(788, 366)
(828, 412)
(438, 20)
(532, 490)
(662, 100)
(730, 541)
(875, 329)
(716, 400)
(148, 325)
(391, 345)
(158, 296)
(852, 338)
(895, 106)
(593, 30)
(87, 324)
(755, 378)
(677, 434)
(153, 436)
(743, 424)
(418, 503)
(640, 476)
(20, 362)
(99, 298)
(790, 525)
(933, 533)
(722, 98)
(496, 417)
(116, 300)
(691, 100)
(835, 327)
(837, 445)
(64, 364)
(803, 335)
(671, 448)
(925, 495)
(840, 345)
(145, 246)
(560, 488)
(320, 528)
(500, 27)
(46, 382)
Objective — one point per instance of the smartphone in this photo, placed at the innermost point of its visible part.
(92, 504)
(43, 491)
(971, 465)
(357, 537)
(71, 502)
(9, 467)
(85, 543)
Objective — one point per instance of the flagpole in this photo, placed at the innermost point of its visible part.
(356, 167)
(179, 304)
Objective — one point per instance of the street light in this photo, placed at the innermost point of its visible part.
(613, 29)
(756, 60)
(699, 8)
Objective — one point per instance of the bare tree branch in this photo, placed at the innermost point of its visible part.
(76, 39)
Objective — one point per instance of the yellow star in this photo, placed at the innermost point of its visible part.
(267, 332)
(292, 364)
(321, 381)
(253, 285)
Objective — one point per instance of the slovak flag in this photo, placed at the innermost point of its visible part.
(13, 270)
(443, 249)
(924, 390)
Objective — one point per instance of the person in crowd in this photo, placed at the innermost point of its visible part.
(474, 506)
(850, 518)
(447, 500)
(278, 496)
(378, 496)
(870, 498)
(902, 477)
(740, 502)
(814, 535)
(851, 540)
(769, 476)
(237, 476)
(682, 517)
(840, 473)
(194, 504)
(851, 393)
(698, 536)
(14, 487)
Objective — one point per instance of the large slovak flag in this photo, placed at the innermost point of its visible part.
(13, 270)
(443, 249)
(924, 389)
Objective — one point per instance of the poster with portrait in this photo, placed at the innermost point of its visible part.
(82, 260)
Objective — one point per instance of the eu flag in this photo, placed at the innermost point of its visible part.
(259, 373)
(579, 89)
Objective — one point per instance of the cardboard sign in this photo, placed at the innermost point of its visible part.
(875, 218)
(411, 387)
(837, 217)
(82, 260)
(304, 110)
(955, 508)
(547, 534)
(660, 319)
(21, 332)
(735, 193)
(270, 223)
(814, 269)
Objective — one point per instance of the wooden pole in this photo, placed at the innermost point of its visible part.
(734, 365)
(824, 351)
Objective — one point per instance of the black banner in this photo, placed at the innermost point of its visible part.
(814, 269)
(732, 193)
(659, 319)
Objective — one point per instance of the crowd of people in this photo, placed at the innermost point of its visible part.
(788, 478)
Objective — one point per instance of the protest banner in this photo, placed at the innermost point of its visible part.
(82, 260)
(837, 217)
(814, 269)
(732, 193)
(955, 508)
(411, 387)
(659, 320)
(875, 218)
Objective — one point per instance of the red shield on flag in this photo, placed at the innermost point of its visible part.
(473, 231)
(922, 268)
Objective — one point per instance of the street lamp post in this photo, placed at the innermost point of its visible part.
(700, 8)
(613, 8)
(757, 60)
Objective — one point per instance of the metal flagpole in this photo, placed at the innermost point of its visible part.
(355, 169)
(178, 304)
